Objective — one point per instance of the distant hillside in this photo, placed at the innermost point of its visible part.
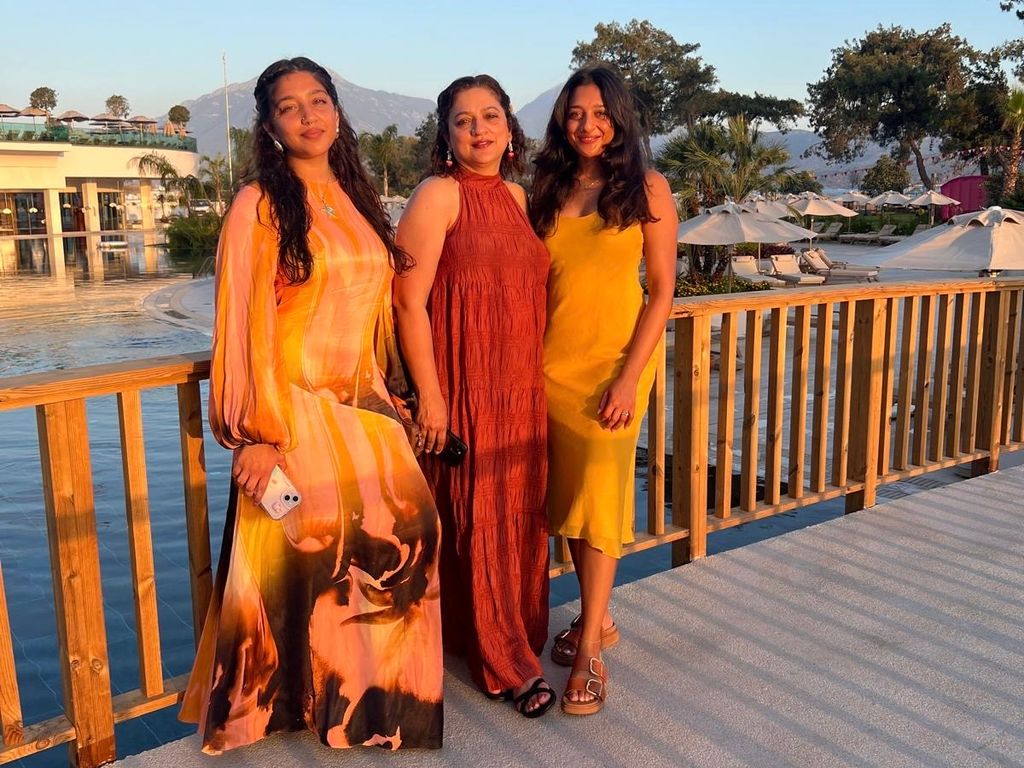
(368, 110)
(534, 116)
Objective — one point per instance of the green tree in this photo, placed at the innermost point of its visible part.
(384, 152)
(213, 174)
(1017, 6)
(241, 151)
(43, 98)
(426, 135)
(974, 129)
(1010, 157)
(179, 115)
(710, 162)
(884, 175)
(782, 113)
(187, 186)
(894, 87)
(800, 181)
(668, 83)
(118, 106)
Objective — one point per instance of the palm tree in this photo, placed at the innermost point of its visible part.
(1013, 121)
(384, 151)
(213, 172)
(711, 162)
(155, 163)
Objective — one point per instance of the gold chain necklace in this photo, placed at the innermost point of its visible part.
(586, 183)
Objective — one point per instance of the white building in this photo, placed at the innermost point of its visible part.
(63, 199)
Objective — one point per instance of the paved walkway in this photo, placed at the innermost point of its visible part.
(892, 637)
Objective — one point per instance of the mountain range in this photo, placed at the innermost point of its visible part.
(373, 110)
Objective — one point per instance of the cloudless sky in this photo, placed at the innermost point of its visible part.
(160, 53)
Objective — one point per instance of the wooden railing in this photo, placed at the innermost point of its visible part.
(883, 382)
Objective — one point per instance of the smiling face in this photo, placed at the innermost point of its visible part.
(478, 130)
(588, 126)
(302, 116)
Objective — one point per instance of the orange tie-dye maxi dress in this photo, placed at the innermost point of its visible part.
(328, 619)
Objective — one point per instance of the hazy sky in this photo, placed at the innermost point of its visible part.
(159, 53)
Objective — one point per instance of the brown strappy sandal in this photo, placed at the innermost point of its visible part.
(593, 682)
(563, 649)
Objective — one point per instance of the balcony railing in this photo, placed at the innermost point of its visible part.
(882, 383)
(123, 138)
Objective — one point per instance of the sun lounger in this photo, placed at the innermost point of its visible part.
(890, 239)
(869, 237)
(787, 268)
(815, 260)
(746, 268)
(832, 264)
(817, 226)
(831, 232)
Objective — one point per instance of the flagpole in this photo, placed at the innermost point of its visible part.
(227, 120)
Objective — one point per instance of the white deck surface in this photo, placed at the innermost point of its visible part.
(891, 637)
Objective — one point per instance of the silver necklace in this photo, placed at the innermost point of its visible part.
(325, 207)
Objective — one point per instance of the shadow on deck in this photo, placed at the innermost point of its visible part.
(891, 637)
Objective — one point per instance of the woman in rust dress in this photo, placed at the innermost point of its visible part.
(471, 323)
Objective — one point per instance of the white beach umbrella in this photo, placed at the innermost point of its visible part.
(889, 198)
(821, 206)
(983, 241)
(773, 209)
(852, 197)
(930, 199)
(734, 224)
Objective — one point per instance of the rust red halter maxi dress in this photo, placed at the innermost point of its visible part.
(487, 312)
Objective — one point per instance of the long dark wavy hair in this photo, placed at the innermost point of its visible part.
(623, 200)
(289, 210)
(439, 154)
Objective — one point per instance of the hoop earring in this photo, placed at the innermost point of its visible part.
(448, 162)
(511, 150)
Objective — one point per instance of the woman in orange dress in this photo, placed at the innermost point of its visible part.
(327, 619)
(601, 213)
(471, 319)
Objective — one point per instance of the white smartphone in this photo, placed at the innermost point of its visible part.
(281, 497)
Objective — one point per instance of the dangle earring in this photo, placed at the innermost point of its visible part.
(278, 145)
(448, 162)
(511, 150)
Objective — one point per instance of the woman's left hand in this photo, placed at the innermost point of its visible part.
(617, 403)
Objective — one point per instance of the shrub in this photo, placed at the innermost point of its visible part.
(192, 242)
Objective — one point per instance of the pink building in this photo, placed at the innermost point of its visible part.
(969, 190)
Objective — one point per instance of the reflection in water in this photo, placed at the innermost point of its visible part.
(115, 255)
(88, 318)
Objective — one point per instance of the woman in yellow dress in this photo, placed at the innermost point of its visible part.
(327, 619)
(600, 212)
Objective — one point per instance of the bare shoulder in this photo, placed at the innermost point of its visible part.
(657, 185)
(437, 192)
(517, 192)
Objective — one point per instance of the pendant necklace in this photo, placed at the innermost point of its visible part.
(586, 183)
(325, 207)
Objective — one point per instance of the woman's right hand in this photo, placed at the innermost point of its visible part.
(432, 425)
(251, 467)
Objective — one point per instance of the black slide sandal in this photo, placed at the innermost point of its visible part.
(540, 686)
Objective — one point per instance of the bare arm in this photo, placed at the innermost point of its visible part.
(428, 216)
(660, 263)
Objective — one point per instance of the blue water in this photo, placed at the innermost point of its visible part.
(46, 325)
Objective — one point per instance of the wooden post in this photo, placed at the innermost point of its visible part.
(197, 520)
(844, 384)
(905, 396)
(940, 390)
(923, 387)
(751, 411)
(726, 414)
(798, 401)
(12, 728)
(888, 386)
(993, 367)
(656, 447)
(865, 401)
(140, 542)
(77, 594)
(690, 436)
(822, 383)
